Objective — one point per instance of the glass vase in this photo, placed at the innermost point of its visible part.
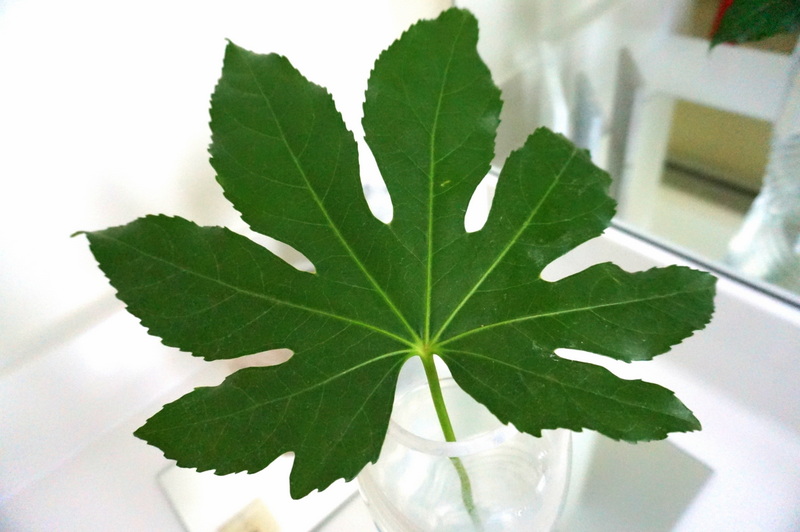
(513, 481)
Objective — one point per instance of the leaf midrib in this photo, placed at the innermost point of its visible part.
(564, 312)
(514, 239)
(562, 384)
(431, 187)
(257, 295)
(337, 233)
(289, 396)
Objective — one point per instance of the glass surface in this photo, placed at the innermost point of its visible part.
(686, 132)
(768, 244)
(730, 191)
(518, 482)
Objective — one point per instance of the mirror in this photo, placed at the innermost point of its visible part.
(684, 131)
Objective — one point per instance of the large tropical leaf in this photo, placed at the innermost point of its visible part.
(382, 293)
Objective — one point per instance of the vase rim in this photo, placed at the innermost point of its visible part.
(474, 444)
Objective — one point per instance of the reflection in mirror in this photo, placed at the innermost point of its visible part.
(768, 244)
(685, 131)
(712, 173)
(730, 192)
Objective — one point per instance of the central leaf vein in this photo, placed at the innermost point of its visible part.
(289, 396)
(264, 297)
(320, 205)
(556, 313)
(514, 239)
(432, 187)
(545, 377)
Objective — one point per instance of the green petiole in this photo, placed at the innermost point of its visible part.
(449, 435)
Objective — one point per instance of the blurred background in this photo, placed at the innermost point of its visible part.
(103, 118)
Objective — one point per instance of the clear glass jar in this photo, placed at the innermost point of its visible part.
(767, 245)
(517, 482)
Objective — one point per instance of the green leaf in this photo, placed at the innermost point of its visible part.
(382, 293)
(753, 20)
(430, 117)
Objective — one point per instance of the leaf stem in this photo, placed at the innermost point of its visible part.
(449, 435)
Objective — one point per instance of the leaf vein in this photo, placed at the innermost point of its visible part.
(514, 239)
(265, 297)
(588, 308)
(556, 381)
(334, 228)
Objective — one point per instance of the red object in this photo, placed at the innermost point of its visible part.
(723, 7)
